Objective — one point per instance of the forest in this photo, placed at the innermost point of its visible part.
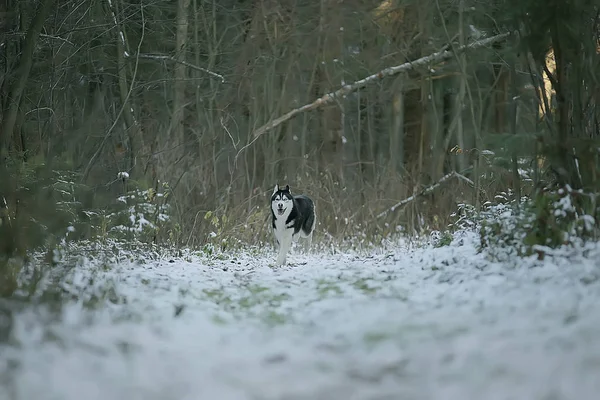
(169, 123)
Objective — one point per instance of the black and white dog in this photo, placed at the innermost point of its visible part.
(293, 217)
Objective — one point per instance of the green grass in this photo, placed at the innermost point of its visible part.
(326, 288)
(362, 285)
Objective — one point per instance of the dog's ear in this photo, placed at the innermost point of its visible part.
(287, 188)
(276, 188)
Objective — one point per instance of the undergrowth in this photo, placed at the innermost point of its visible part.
(80, 270)
(522, 227)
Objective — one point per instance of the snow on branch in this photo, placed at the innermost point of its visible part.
(187, 64)
(426, 191)
(346, 89)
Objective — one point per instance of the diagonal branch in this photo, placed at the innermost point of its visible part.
(426, 191)
(347, 89)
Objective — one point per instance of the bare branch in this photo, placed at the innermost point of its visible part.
(40, 109)
(42, 35)
(187, 64)
(464, 179)
(229, 134)
(426, 191)
(347, 89)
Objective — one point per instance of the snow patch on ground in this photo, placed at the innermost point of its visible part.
(407, 323)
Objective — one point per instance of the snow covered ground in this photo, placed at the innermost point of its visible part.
(408, 322)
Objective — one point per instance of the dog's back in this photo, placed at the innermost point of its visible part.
(306, 208)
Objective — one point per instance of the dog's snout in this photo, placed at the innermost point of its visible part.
(280, 205)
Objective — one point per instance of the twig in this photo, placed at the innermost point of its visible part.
(187, 64)
(229, 133)
(347, 89)
(193, 227)
(427, 190)
(40, 109)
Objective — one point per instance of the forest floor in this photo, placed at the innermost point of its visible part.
(408, 322)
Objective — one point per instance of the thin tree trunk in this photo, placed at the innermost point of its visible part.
(133, 128)
(513, 131)
(563, 101)
(397, 134)
(461, 91)
(330, 74)
(436, 129)
(177, 119)
(313, 85)
(425, 106)
(24, 67)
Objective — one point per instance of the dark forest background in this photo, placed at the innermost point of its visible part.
(125, 118)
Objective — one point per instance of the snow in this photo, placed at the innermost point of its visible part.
(405, 321)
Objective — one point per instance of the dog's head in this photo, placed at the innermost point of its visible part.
(281, 201)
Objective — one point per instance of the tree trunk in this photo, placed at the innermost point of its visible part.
(462, 86)
(436, 129)
(566, 169)
(332, 155)
(177, 118)
(513, 130)
(397, 134)
(133, 128)
(17, 87)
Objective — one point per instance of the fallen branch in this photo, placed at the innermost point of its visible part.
(427, 190)
(345, 90)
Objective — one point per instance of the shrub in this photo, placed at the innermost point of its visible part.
(554, 218)
(139, 214)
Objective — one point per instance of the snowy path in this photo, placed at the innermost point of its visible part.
(407, 324)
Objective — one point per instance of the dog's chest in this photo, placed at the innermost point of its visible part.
(281, 227)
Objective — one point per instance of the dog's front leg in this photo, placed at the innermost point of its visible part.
(285, 243)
